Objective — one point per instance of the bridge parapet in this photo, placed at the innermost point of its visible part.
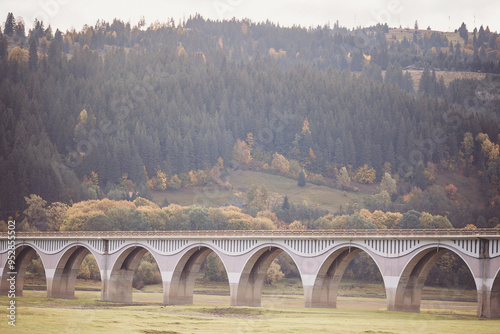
(338, 233)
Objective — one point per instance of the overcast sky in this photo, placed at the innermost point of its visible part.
(441, 15)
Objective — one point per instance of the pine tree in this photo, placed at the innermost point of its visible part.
(9, 25)
(339, 153)
(302, 179)
(357, 61)
(286, 203)
(3, 47)
(462, 31)
(33, 56)
(425, 85)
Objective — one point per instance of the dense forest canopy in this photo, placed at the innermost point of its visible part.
(114, 106)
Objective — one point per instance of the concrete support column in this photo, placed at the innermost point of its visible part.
(488, 284)
(104, 284)
(492, 309)
(234, 279)
(119, 287)
(391, 287)
(488, 304)
(308, 286)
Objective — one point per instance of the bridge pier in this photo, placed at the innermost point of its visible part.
(488, 286)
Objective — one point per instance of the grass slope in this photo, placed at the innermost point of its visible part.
(316, 196)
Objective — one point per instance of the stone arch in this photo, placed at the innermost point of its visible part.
(248, 291)
(326, 284)
(411, 281)
(63, 282)
(24, 254)
(179, 291)
(119, 282)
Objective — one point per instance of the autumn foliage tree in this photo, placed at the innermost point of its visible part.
(388, 184)
(241, 154)
(280, 163)
(343, 179)
(365, 174)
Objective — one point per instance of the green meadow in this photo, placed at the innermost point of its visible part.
(281, 312)
(321, 197)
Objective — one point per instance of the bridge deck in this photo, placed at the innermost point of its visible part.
(351, 233)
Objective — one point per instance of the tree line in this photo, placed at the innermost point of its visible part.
(115, 109)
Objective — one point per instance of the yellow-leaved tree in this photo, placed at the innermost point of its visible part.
(280, 163)
(365, 174)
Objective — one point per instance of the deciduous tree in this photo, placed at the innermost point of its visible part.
(343, 179)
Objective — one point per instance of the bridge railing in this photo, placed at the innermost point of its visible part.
(260, 233)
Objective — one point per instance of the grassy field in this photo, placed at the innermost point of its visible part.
(400, 34)
(212, 314)
(317, 196)
(361, 308)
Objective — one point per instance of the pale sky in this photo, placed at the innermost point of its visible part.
(439, 15)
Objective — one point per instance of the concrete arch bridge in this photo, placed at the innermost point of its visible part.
(404, 258)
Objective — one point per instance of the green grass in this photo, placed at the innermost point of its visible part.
(316, 196)
(212, 314)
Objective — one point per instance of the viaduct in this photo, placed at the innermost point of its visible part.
(404, 258)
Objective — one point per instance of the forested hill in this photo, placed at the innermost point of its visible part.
(83, 113)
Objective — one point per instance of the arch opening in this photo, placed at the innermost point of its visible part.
(248, 291)
(29, 268)
(351, 262)
(76, 270)
(282, 283)
(64, 281)
(199, 260)
(427, 269)
(146, 281)
(118, 286)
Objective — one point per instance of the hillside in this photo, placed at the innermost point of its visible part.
(321, 197)
(119, 111)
